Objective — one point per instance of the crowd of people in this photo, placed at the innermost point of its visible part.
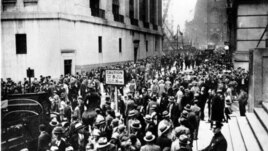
(159, 108)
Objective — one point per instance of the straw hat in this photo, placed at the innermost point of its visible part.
(102, 142)
(183, 139)
(100, 120)
(164, 129)
(148, 118)
(165, 114)
(96, 132)
(54, 122)
(188, 108)
(136, 125)
(149, 137)
(132, 113)
(58, 130)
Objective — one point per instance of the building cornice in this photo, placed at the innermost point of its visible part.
(12, 16)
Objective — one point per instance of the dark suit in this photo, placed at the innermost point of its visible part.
(43, 141)
(61, 146)
(218, 143)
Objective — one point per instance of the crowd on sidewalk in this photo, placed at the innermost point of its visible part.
(158, 110)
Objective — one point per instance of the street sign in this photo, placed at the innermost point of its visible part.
(115, 77)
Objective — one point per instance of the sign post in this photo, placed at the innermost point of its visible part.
(116, 78)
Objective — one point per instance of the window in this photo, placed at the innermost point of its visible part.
(120, 45)
(94, 4)
(146, 43)
(116, 7)
(131, 8)
(9, 1)
(100, 44)
(21, 44)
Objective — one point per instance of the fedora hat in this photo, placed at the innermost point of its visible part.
(164, 129)
(54, 148)
(188, 108)
(78, 126)
(219, 90)
(58, 130)
(184, 114)
(165, 114)
(147, 117)
(171, 98)
(136, 125)
(96, 132)
(183, 139)
(54, 122)
(132, 113)
(149, 137)
(103, 142)
(100, 120)
(65, 124)
(69, 148)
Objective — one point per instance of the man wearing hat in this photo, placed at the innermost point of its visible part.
(195, 109)
(183, 142)
(163, 141)
(218, 141)
(165, 121)
(43, 139)
(135, 128)
(178, 132)
(150, 146)
(104, 145)
(152, 105)
(150, 125)
(217, 107)
(174, 111)
(58, 141)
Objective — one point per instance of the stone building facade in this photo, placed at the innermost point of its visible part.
(209, 26)
(69, 36)
(247, 21)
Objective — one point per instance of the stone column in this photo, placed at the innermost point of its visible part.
(109, 10)
(122, 7)
(147, 11)
(125, 6)
(136, 9)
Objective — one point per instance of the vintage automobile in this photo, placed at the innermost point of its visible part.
(21, 116)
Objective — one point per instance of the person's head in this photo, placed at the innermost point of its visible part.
(42, 127)
(58, 132)
(216, 128)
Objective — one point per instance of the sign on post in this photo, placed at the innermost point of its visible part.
(115, 77)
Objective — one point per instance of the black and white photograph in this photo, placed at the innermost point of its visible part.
(134, 75)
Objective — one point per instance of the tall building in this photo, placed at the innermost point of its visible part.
(247, 21)
(209, 26)
(69, 36)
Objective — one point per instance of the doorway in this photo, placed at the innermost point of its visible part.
(67, 66)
